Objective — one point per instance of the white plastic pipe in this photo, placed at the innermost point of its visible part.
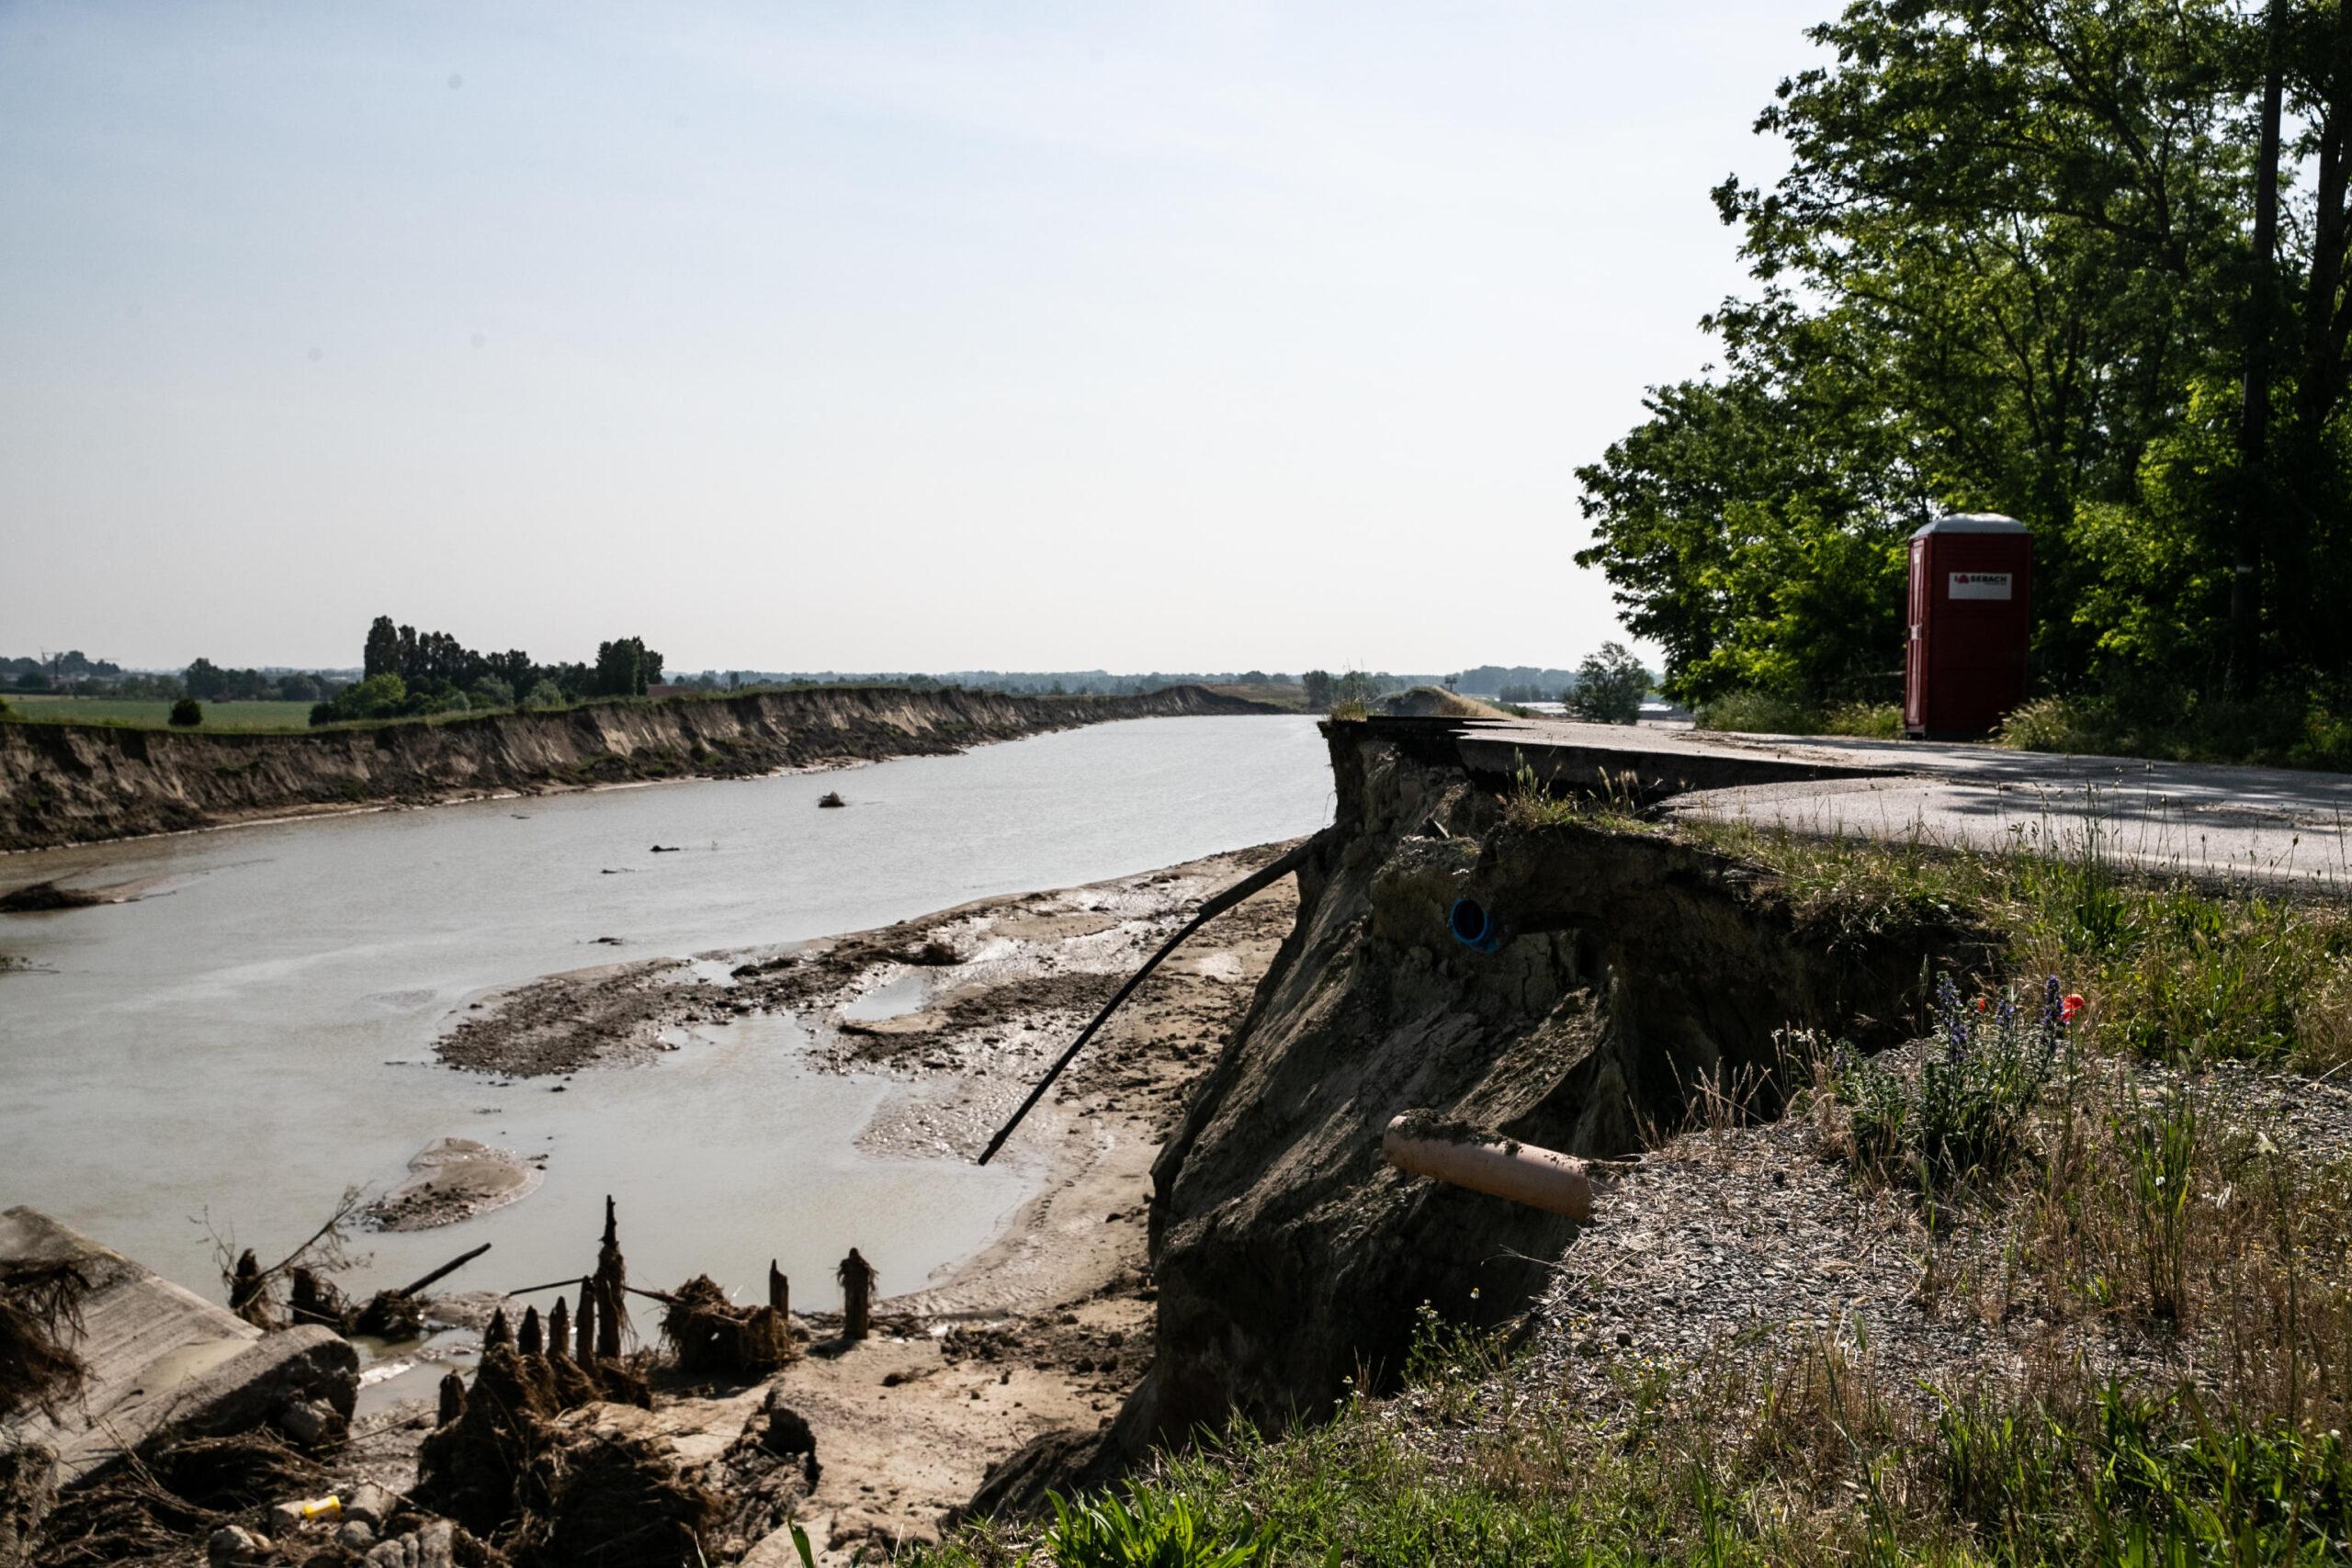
(1541, 1179)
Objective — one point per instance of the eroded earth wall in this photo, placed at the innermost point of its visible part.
(67, 784)
(1288, 1255)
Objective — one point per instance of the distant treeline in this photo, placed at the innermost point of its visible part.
(76, 673)
(404, 672)
(1040, 682)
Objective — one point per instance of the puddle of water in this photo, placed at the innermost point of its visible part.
(895, 999)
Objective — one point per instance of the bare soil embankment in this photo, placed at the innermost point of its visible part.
(64, 784)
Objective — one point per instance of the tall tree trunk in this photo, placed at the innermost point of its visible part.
(2309, 490)
(2254, 421)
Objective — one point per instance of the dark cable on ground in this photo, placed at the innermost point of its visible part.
(1256, 882)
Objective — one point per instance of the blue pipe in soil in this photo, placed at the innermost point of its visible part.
(1473, 925)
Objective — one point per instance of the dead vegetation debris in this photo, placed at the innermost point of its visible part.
(39, 1309)
(710, 1337)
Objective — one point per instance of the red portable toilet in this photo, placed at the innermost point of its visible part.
(1970, 625)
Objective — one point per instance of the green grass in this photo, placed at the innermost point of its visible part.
(1761, 713)
(2118, 1201)
(142, 713)
(2174, 970)
(1800, 1461)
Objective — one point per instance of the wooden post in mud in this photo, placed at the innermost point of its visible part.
(527, 1338)
(586, 1331)
(608, 1323)
(612, 1280)
(453, 1397)
(779, 1292)
(856, 1276)
(559, 1330)
(302, 1297)
(498, 1334)
(244, 1291)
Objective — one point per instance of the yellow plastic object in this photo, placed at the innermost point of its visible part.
(325, 1507)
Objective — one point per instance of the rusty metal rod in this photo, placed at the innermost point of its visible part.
(1256, 882)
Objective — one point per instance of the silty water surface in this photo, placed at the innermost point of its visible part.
(254, 1034)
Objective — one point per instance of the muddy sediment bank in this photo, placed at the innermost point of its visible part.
(1048, 1329)
(64, 783)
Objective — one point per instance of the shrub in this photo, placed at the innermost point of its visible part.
(1763, 713)
(1758, 712)
(2053, 724)
(1960, 1122)
(186, 714)
(543, 695)
(490, 692)
(1876, 721)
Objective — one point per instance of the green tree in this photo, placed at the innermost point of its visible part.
(206, 680)
(490, 692)
(1318, 686)
(543, 695)
(1610, 684)
(377, 696)
(2012, 266)
(382, 654)
(186, 714)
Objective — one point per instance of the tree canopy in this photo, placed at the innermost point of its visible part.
(2014, 265)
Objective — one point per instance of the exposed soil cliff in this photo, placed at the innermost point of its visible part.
(1633, 969)
(67, 783)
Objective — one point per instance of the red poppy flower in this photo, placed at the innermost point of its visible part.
(2071, 1006)
(1979, 1004)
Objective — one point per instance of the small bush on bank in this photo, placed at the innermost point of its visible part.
(1762, 713)
(1758, 713)
(186, 714)
(1958, 1123)
(2285, 731)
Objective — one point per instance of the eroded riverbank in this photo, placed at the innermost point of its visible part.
(257, 1031)
(67, 784)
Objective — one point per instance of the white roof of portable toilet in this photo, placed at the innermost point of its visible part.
(1971, 523)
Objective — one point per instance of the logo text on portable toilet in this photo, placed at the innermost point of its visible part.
(1980, 584)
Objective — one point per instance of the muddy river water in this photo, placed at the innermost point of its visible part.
(231, 1051)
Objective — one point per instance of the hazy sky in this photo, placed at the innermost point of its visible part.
(848, 335)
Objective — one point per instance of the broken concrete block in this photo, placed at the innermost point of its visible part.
(162, 1362)
(231, 1546)
(367, 1505)
(434, 1546)
(311, 1424)
(355, 1536)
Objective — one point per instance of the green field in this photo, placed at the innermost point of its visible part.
(142, 713)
